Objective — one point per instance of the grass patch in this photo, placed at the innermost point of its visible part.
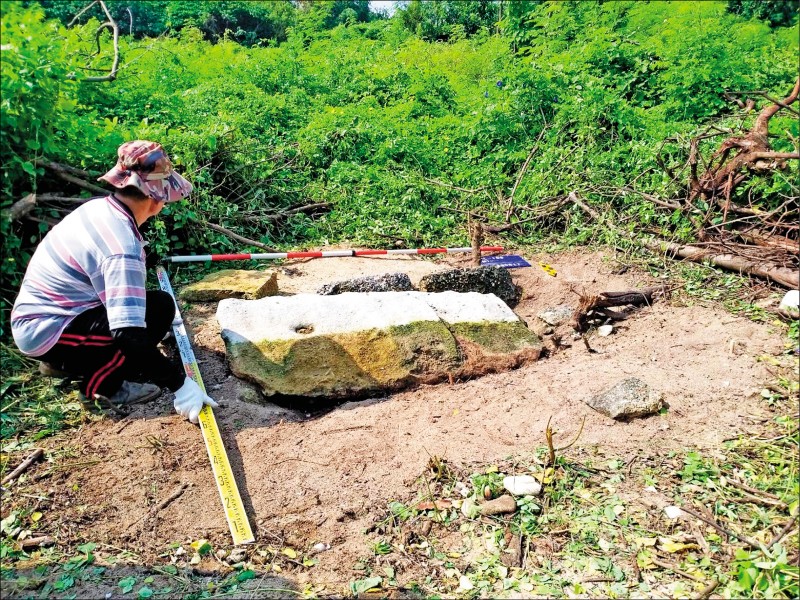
(603, 526)
(33, 407)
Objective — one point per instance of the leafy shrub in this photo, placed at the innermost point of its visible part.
(373, 119)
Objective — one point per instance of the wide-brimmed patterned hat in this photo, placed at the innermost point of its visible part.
(146, 166)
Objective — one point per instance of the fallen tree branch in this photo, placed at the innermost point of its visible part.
(69, 174)
(755, 491)
(237, 237)
(771, 241)
(46, 220)
(765, 95)
(675, 569)
(70, 199)
(781, 275)
(24, 466)
(720, 528)
(20, 208)
(84, 184)
(305, 208)
(708, 590)
(738, 157)
(54, 166)
(789, 278)
(506, 226)
(573, 197)
(782, 533)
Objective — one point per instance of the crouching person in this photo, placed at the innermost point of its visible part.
(83, 308)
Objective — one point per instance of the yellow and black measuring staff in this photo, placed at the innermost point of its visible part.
(223, 475)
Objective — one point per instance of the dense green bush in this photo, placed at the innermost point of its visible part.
(779, 13)
(368, 116)
(448, 19)
(248, 22)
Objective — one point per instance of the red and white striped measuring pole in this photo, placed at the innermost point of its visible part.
(323, 254)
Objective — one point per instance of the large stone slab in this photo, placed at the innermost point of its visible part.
(231, 283)
(351, 344)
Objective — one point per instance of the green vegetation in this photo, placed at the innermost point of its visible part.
(375, 118)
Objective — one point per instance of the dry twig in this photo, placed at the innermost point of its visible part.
(782, 533)
(24, 466)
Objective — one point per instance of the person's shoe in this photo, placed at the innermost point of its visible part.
(49, 370)
(131, 392)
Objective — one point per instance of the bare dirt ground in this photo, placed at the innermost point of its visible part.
(310, 476)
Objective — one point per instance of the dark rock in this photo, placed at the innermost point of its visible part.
(484, 280)
(388, 282)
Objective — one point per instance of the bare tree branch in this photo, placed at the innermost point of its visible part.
(237, 237)
(66, 173)
(109, 24)
(78, 16)
(20, 208)
(521, 173)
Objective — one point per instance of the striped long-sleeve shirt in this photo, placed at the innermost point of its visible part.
(94, 256)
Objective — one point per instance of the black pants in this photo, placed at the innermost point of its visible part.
(87, 348)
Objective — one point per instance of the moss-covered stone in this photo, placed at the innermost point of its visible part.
(427, 347)
(316, 366)
(346, 364)
(497, 338)
(354, 345)
(231, 283)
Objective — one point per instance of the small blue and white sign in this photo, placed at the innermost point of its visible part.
(511, 261)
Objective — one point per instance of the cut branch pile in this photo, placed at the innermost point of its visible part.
(733, 232)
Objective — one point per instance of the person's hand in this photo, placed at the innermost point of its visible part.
(189, 400)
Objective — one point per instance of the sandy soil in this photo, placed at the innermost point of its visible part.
(310, 476)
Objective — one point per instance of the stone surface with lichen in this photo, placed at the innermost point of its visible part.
(353, 345)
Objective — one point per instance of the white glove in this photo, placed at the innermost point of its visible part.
(189, 400)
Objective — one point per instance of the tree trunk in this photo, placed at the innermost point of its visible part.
(784, 276)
